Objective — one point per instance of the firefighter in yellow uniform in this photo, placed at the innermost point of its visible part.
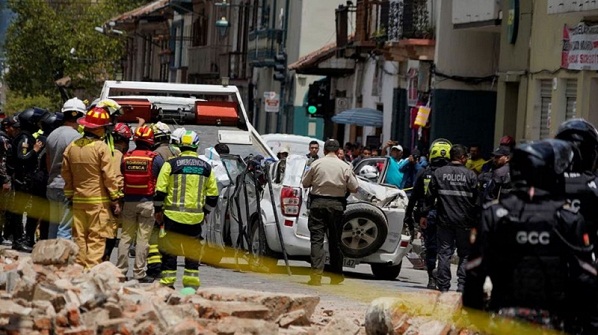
(93, 186)
(185, 190)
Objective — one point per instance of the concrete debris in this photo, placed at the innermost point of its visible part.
(48, 293)
(341, 326)
(423, 314)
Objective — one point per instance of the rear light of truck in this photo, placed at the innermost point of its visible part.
(290, 201)
(404, 244)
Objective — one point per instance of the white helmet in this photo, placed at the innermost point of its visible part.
(369, 172)
(112, 106)
(161, 131)
(175, 136)
(74, 105)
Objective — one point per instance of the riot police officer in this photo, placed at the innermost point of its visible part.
(25, 164)
(533, 244)
(439, 156)
(581, 184)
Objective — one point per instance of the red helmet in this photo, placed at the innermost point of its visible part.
(144, 134)
(507, 141)
(123, 131)
(95, 118)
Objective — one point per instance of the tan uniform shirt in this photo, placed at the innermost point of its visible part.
(331, 177)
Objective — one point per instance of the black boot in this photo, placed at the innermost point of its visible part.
(431, 280)
(22, 245)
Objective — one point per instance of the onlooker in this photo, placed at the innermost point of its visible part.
(453, 190)
(357, 157)
(330, 180)
(394, 176)
(410, 169)
(282, 155)
(349, 152)
(475, 161)
(341, 155)
(314, 147)
(375, 152)
(366, 153)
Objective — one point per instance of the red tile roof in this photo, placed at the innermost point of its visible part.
(314, 57)
(141, 11)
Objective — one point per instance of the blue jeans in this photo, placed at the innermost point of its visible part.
(61, 216)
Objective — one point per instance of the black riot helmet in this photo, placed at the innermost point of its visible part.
(30, 118)
(541, 165)
(584, 137)
(51, 121)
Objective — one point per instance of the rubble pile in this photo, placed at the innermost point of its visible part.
(48, 293)
(429, 313)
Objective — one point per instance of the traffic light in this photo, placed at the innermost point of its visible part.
(280, 67)
(318, 98)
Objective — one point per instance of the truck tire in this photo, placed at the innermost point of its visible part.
(261, 258)
(364, 230)
(386, 272)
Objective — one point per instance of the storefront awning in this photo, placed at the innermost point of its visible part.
(360, 117)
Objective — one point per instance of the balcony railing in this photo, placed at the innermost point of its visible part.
(378, 21)
(262, 46)
(205, 61)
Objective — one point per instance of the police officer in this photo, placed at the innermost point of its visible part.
(439, 156)
(581, 185)
(496, 182)
(533, 244)
(454, 187)
(5, 174)
(330, 179)
(26, 151)
(185, 190)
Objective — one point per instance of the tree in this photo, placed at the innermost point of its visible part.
(40, 39)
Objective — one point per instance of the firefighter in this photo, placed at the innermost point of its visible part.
(186, 189)
(121, 135)
(140, 169)
(92, 184)
(166, 150)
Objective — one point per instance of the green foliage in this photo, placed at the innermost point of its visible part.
(16, 103)
(40, 38)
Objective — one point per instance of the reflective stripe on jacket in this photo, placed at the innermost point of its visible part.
(187, 186)
(90, 173)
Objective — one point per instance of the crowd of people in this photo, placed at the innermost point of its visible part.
(73, 176)
(523, 219)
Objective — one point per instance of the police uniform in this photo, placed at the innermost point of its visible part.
(413, 211)
(330, 179)
(454, 187)
(186, 188)
(5, 179)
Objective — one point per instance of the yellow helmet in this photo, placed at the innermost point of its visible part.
(440, 149)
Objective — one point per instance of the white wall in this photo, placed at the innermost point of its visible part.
(466, 53)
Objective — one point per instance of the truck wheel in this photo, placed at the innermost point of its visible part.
(261, 258)
(364, 230)
(386, 272)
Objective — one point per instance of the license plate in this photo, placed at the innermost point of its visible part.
(347, 262)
